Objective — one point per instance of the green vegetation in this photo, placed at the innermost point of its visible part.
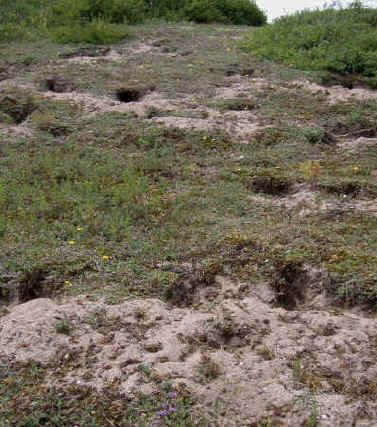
(25, 400)
(341, 41)
(103, 200)
(103, 21)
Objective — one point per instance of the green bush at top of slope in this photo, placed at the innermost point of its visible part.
(69, 21)
(62, 20)
(238, 12)
(342, 41)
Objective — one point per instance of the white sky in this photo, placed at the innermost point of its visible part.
(276, 8)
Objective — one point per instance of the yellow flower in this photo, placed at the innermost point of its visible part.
(204, 138)
(79, 228)
(67, 282)
(71, 242)
(356, 168)
(105, 257)
(228, 49)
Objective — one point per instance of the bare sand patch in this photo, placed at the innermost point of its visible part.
(264, 354)
(338, 93)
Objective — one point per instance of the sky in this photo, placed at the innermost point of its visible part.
(276, 8)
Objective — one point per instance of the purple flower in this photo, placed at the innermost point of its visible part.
(171, 409)
(173, 395)
(162, 413)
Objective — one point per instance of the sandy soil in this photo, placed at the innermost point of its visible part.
(265, 355)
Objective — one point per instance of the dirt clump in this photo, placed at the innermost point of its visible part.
(3, 73)
(86, 51)
(338, 93)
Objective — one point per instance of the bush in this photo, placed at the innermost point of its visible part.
(164, 8)
(115, 11)
(202, 11)
(9, 32)
(240, 12)
(84, 20)
(97, 32)
(342, 41)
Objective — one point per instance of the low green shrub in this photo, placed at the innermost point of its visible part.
(203, 11)
(97, 31)
(166, 8)
(239, 12)
(56, 190)
(342, 41)
(75, 21)
(115, 11)
(9, 32)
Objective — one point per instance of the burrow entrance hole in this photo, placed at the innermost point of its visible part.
(290, 284)
(18, 109)
(270, 185)
(347, 188)
(129, 95)
(58, 85)
(29, 285)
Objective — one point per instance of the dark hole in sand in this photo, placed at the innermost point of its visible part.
(18, 109)
(349, 188)
(270, 185)
(290, 286)
(58, 85)
(129, 95)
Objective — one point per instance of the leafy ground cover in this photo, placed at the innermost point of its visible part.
(105, 21)
(341, 41)
(175, 172)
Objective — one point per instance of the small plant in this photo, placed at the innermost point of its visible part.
(272, 136)
(64, 325)
(316, 135)
(147, 374)
(238, 104)
(169, 406)
(309, 400)
(312, 171)
(297, 370)
(265, 422)
(98, 318)
(208, 369)
(267, 353)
